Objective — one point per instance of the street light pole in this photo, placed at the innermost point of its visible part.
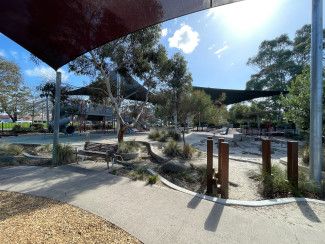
(56, 119)
(316, 92)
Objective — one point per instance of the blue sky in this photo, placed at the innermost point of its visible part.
(216, 43)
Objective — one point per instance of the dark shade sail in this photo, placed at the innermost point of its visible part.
(58, 31)
(132, 90)
(237, 96)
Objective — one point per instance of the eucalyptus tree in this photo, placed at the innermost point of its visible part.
(138, 54)
(14, 96)
(178, 81)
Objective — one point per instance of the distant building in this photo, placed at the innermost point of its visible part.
(5, 118)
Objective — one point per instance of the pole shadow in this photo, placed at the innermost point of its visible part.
(212, 221)
(308, 212)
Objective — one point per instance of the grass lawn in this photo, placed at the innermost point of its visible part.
(29, 219)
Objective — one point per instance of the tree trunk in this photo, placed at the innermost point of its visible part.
(121, 132)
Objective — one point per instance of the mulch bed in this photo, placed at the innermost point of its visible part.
(29, 219)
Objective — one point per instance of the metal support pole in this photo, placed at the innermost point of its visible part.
(209, 165)
(316, 92)
(56, 119)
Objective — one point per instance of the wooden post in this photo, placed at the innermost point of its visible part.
(292, 164)
(224, 176)
(219, 158)
(209, 165)
(266, 156)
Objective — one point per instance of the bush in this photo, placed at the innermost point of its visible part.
(163, 135)
(20, 129)
(128, 147)
(37, 127)
(172, 149)
(44, 148)
(188, 151)
(66, 154)
(154, 135)
(277, 185)
(305, 156)
(152, 179)
(11, 149)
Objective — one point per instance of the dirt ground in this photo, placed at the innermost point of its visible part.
(29, 219)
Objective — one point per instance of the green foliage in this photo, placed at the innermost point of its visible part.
(154, 135)
(47, 148)
(296, 104)
(277, 185)
(138, 174)
(11, 149)
(188, 151)
(163, 135)
(14, 97)
(172, 149)
(128, 147)
(279, 61)
(19, 129)
(66, 154)
(152, 179)
(204, 110)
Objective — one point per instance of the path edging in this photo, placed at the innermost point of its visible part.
(232, 202)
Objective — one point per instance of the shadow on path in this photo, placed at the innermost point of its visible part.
(212, 221)
(60, 184)
(308, 212)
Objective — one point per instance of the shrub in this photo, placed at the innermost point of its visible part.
(305, 156)
(11, 149)
(163, 135)
(20, 129)
(172, 149)
(174, 135)
(188, 151)
(128, 147)
(154, 135)
(37, 127)
(152, 179)
(277, 185)
(44, 148)
(66, 154)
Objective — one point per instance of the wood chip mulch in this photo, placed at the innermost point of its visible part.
(29, 219)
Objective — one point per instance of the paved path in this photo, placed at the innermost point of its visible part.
(160, 215)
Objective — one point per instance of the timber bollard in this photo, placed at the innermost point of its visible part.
(224, 174)
(219, 158)
(209, 165)
(266, 156)
(292, 164)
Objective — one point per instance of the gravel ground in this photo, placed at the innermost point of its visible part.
(28, 219)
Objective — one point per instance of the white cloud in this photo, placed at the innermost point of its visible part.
(164, 32)
(2, 53)
(221, 50)
(212, 46)
(46, 73)
(184, 39)
(14, 54)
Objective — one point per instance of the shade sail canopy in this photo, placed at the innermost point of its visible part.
(60, 31)
(132, 90)
(237, 96)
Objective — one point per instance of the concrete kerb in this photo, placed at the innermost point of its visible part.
(232, 202)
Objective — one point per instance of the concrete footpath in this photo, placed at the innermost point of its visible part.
(157, 214)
